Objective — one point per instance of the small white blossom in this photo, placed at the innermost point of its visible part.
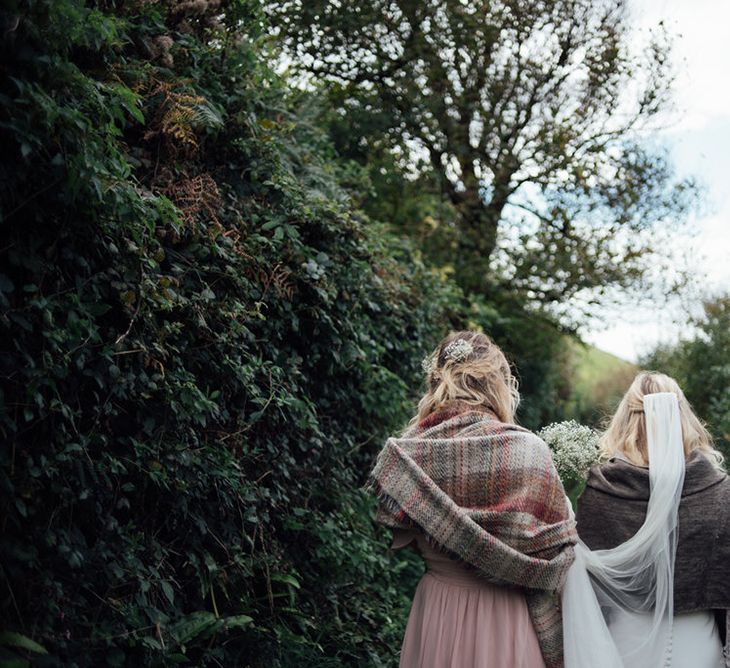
(574, 448)
(428, 364)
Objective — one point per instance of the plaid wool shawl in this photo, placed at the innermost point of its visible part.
(486, 493)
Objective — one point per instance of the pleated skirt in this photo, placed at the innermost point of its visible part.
(458, 620)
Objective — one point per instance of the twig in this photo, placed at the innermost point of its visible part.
(159, 635)
(121, 337)
(12, 597)
(212, 598)
(31, 198)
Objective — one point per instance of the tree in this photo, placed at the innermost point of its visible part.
(701, 365)
(525, 115)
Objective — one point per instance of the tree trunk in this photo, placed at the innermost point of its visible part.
(477, 241)
(479, 227)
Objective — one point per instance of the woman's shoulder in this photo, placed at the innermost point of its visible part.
(620, 478)
(704, 476)
(513, 432)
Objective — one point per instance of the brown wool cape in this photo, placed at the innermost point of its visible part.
(613, 507)
(488, 494)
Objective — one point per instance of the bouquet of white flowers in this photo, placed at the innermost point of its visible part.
(574, 448)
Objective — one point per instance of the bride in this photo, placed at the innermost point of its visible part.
(650, 585)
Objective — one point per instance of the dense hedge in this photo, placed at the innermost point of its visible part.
(202, 347)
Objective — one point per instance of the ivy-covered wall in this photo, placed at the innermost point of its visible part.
(203, 346)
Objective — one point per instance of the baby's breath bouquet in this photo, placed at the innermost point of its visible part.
(574, 448)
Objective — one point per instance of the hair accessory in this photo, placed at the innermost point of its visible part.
(428, 364)
(458, 350)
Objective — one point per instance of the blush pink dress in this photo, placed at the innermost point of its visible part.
(458, 620)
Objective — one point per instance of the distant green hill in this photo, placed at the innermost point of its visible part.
(599, 381)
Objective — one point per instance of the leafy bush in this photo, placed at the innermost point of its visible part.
(701, 365)
(203, 345)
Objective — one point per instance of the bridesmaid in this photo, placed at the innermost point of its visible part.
(481, 501)
(613, 507)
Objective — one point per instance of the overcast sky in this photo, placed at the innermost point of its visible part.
(699, 138)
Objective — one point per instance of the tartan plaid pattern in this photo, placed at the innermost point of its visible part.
(488, 494)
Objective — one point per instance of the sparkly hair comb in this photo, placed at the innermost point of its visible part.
(458, 350)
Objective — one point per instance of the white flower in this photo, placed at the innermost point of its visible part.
(428, 364)
(574, 448)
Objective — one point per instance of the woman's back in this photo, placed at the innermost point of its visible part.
(611, 510)
(613, 507)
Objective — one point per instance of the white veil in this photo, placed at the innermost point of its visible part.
(605, 589)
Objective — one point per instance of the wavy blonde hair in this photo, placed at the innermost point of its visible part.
(626, 432)
(483, 379)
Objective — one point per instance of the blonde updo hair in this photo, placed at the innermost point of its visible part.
(482, 378)
(626, 432)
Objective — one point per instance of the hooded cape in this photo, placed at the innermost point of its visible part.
(488, 494)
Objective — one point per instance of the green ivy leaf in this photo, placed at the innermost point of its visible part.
(13, 639)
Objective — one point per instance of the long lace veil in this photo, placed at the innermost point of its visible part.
(637, 576)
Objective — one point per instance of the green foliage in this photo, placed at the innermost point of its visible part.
(503, 120)
(489, 137)
(204, 345)
(206, 336)
(701, 365)
(599, 381)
